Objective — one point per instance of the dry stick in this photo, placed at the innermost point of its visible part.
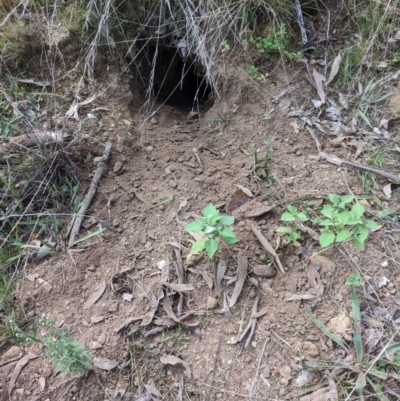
(258, 369)
(181, 275)
(264, 242)
(89, 196)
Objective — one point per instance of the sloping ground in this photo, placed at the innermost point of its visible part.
(155, 160)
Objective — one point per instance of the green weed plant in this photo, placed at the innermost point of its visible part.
(214, 227)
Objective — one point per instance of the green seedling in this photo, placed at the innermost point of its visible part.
(277, 40)
(343, 222)
(255, 74)
(66, 354)
(292, 234)
(225, 46)
(214, 227)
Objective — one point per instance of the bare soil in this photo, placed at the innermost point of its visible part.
(154, 159)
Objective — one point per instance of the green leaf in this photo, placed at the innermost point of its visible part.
(391, 349)
(326, 238)
(346, 199)
(334, 198)
(211, 246)
(286, 216)
(371, 224)
(361, 233)
(344, 217)
(343, 235)
(210, 211)
(359, 244)
(364, 117)
(361, 381)
(326, 223)
(195, 226)
(213, 220)
(226, 232)
(284, 230)
(292, 209)
(198, 246)
(354, 279)
(328, 211)
(357, 210)
(230, 240)
(209, 230)
(227, 220)
(326, 331)
(385, 213)
(301, 216)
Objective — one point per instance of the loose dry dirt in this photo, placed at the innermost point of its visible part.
(153, 160)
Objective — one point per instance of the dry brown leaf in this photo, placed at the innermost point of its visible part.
(319, 84)
(152, 390)
(148, 317)
(335, 68)
(95, 295)
(387, 190)
(104, 363)
(245, 190)
(220, 270)
(42, 383)
(204, 274)
(241, 277)
(17, 370)
(127, 321)
(314, 279)
(174, 360)
(323, 394)
(168, 308)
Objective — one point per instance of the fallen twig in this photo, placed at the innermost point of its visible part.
(181, 275)
(266, 245)
(391, 176)
(252, 322)
(89, 196)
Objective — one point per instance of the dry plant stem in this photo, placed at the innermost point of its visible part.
(89, 196)
(264, 242)
(258, 369)
(251, 325)
(181, 275)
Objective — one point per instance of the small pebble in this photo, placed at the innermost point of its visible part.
(117, 167)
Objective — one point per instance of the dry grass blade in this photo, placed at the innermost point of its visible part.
(241, 277)
(319, 84)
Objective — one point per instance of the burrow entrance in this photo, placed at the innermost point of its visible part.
(178, 81)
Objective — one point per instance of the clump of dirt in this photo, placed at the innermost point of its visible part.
(162, 172)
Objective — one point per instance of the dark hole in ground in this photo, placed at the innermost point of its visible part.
(178, 82)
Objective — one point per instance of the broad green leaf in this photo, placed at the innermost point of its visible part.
(343, 235)
(211, 247)
(326, 331)
(358, 346)
(334, 198)
(292, 209)
(371, 224)
(361, 233)
(326, 223)
(227, 220)
(358, 210)
(286, 216)
(328, 211)
(344, 217)
(359, 244)
(302, 216)
(346, 199)
(326, 238)
(209, 230)
(195, 226)
(227, 232)
(284, 230)
(213, 220)
(198, 246)
(230, 240)
(210, 211)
